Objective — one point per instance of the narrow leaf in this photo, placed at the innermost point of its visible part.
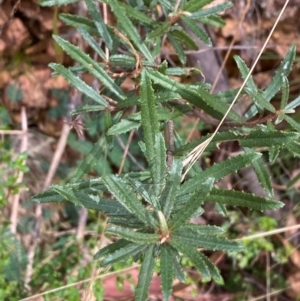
(136, 14)
(192, 204)
(207, 242)
(129, 28)
(123, 126)
(251, 88)
(203, 13)
(143, 190)
(80, 22)
(166, 270)
(195, 5)
(262, 173)
(79, 84)
(137, 237)
(158, 165)
(200, 98)
(204, 230)
(92, 66)
(284, 69)
(197, 30)
(145, 275)
(193, 254)
(111, 248)
(243, 199)
(122, 254)
(218, 171)
(177, 48)
(261, 138)
(56, 2)
(292, 123)
(167, 198)
(102, 29)
(126, 197)
(215, 273)
(92, 42)
(91, 159)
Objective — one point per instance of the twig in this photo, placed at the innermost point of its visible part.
(126, 151)
(130, 156)
(16, 198)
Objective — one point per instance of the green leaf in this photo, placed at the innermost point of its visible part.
(137, 237)
(200, 98)
(285, 92)
(215, 273)
(262, 173)
(129, 28)
(221, 209)
(167, 198)
(122, 254)
(209, 243)
(136, 14)
(149, 119)
(126, 197)
(145, 275)
(87, 108)
(111, 248)
(92, 42)
(101, 27)
(218, 171)
(204, 230)
(139, 187)
(184, 38)
(177, 48)
(293, 104)
(166, 270)
(178, 272)
(159, 31)
(193, 254)
(203, 13)
(213, 20)
(197, 198)
(47, 196)
(284, 69)
(243, 199)
(293, 147)
(92, 66)
(251, 88)
(197, 30)
(167, 4)
(123, 126)
(79, 84)
(56, 2)
(66, 194)
(158, 165)
(261, 138)
(79, 22)
(195, 5)
(91, 159)
(292, 123)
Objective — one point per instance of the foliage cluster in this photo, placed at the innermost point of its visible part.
(150, 210)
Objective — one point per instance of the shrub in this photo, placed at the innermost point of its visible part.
(151, 210)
